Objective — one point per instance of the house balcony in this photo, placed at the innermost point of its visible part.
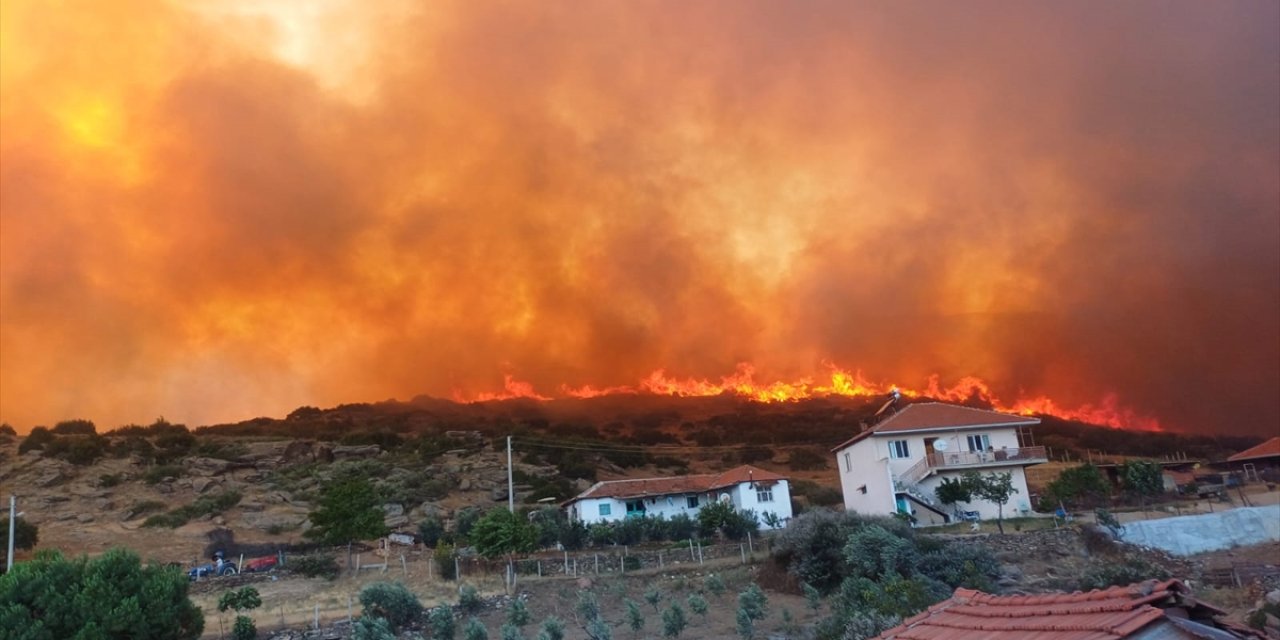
(965, 460)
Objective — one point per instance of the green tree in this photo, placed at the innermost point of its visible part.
(25, 536)
(635, 617)
(245, 599)
(1083, 483)
(950, 491)
(698, 605)
(109, 597)
(1143, 479)
(588, 611)
(653, 595)
(993, 487)
(752, 607)
(674, 621)
(392, 602)
(348, 510)
(501, 532)
(510, 631)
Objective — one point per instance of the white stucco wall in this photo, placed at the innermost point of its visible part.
(863, 468)
(745, 497)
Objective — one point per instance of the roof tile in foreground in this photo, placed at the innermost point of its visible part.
(1106, 614)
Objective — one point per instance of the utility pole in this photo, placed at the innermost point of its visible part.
(13, 518)
(511, 487)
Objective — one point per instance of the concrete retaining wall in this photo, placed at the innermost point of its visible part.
(1186, 535)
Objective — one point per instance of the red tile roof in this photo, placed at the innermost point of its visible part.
(646, 487)
(1104, 614)
(1268, 449)
(926, 416)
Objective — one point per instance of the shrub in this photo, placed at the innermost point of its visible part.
(698, 605)
(674, 621)
(25, 536)
(635, 617)
(244, 629)
(715, 584)
(552, 629)
(372, 628)
(108, 480)
(441, 622)
(653, 595)
(444, 557)
(753, 601)
(510, 631)
(391, 601)
(75, 428)
(37, 440)
(474, 630)
(315, 566)
(808, 460)
(1127, 571)
(430, 530)
(518, 613)
(158, 474)
(469, 600)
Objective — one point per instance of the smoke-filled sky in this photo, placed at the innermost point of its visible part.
(216, 210)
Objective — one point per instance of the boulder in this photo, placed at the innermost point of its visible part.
(464, 484)
(1274, 597)
(393, 509)
(200, 485)
(298, 451)
(354, 452)
(206, 466)
(396, 521)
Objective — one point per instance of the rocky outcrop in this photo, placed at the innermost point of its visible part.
(356, 452)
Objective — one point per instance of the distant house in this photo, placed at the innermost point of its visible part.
(896, 465)
(1264, 457)
(745, 487)
(1148, 610)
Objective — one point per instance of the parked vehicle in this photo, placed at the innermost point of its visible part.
(211, 569)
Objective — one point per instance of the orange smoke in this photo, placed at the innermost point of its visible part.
(213, 210)
(839, 382)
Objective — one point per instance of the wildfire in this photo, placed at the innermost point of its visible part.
(838, 382)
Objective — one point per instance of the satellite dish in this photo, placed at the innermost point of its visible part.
(940, 445)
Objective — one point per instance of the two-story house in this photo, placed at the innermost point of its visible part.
(745, 487)
(897, 464)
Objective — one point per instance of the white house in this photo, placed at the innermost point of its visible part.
(746, 487)
(897, 464)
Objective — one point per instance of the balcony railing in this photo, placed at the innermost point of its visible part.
(939, 460)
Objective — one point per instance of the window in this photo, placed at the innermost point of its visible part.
(898, 449)
(691, 502)
(606, 509)
(635, 508)
(848, 462)
(979, 443)
(764, 494)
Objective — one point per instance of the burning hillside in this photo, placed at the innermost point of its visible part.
(838, 383)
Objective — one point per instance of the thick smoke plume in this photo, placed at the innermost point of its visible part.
(216, 210)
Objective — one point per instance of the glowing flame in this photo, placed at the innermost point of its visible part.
(838, 382)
